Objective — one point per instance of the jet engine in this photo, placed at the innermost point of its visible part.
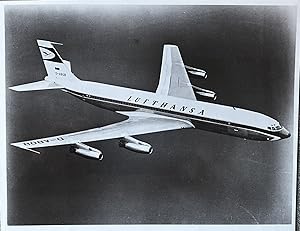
(206, 93)
(86, 151)
(135, 145)
(196, 71)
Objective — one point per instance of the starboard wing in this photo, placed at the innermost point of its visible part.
(174, 80)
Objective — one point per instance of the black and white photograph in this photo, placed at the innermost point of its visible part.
(150, 114)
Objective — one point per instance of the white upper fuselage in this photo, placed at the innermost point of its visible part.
(204, 115)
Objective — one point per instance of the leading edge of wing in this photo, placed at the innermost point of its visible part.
(138, 123)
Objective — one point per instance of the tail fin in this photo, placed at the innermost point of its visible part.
(58, 70)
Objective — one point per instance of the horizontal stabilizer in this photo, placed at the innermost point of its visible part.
(35, 86)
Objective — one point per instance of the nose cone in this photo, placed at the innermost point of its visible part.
(284, 133)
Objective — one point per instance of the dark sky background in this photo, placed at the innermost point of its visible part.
(192, 177)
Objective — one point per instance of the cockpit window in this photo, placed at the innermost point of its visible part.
(274, 127)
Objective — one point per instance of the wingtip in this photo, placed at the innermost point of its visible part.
(170, 45)
(18, 145)
(14, 88)
(14, 144)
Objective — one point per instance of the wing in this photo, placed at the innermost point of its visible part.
(138, 123)
(174, 80)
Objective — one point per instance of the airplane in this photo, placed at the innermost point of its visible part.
(173, 106)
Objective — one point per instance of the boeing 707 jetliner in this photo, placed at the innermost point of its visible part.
(173, 106)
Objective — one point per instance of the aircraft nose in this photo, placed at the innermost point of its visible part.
(284, 133)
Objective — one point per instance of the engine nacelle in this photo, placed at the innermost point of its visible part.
(206, 93)
(135, 145)
(196, 71)
(86, 151)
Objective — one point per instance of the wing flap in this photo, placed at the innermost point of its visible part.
(141, 123)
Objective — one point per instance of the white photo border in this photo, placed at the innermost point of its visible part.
(3, 161)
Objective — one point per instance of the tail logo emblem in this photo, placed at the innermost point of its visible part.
(46, 54)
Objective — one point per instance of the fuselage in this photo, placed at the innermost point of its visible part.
(206, 116)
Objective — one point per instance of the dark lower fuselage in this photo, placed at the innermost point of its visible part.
(207, 124)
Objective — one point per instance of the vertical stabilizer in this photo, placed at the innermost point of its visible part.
(58, 69)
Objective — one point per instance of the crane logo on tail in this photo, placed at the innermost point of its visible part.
(47, 54)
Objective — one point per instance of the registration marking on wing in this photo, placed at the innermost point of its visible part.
(42, 141)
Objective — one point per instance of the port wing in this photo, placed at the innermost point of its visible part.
(138, 123)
